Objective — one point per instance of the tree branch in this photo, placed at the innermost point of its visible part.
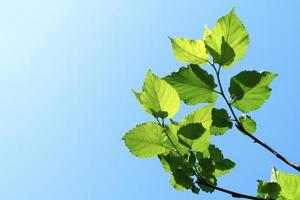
(243, 130)
(232, 193)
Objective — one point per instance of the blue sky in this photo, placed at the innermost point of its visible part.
(67, 68)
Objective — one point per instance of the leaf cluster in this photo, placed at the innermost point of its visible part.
(184, 147)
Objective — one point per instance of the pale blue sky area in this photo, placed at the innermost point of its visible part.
(67, 68)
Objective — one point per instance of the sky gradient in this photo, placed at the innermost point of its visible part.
(67, 68)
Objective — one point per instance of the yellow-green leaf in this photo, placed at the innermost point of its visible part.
(147, 140)
(234, 33)
(189, 51)
(289, 183)
(158, 97)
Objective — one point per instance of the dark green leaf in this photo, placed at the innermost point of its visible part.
(268, 190)
(212, 181)
(195, 189)
(220, 122)
(183, 179)
(172, 161)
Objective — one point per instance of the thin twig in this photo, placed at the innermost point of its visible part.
(232, 193)
(243, 130)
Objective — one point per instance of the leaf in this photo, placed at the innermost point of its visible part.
(268, 190)
(212, 181)
(195, 189)
(182, 179)
(193, 84)
(220, 122)
(222, 166)
(289, 183)
(176, 186)
(146, 140)
(206, 32)
(172, 161)
(189, 51)
(172, 132)
(207, 167)
(248, 123)
(250, 89)
(203, 116)
(190, 136)
(225, 57)
(158, 97)
(179, 168)
(235, 35)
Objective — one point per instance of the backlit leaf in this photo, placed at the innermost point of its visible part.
(146, 140)
(289, 183)
(235, 35)
(250, 89)
(189, 51)
(193, 84)
(158, 97)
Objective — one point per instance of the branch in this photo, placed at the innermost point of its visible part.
(200, 180)
(243, 130)
(232, 193)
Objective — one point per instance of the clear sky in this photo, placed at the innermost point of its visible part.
(67, 68)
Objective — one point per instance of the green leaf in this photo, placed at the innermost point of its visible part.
(289, 183)
(172, 161)
(207, 167)
(268, 190)
(248, 123)
(190, 136)
(193, 84)
(213, 154)
(225, 57)
(172, 132)
(158, 97)
(147, 140)
(176, 186)
(235, 35)
(250, 89)
(203, 116)
(223, 167)
(195, 189)
(182, 179)
(220, 122)
(212, 181)
(190, 51)
(206, 32)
